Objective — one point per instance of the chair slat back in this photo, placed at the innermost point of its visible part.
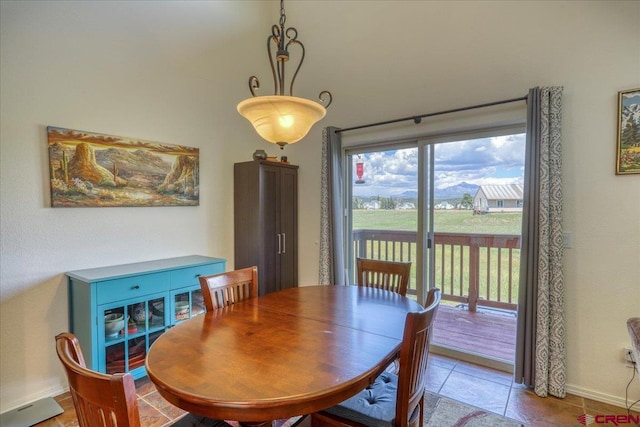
(414, 354)
(389, 275)
(100, 400)
(222, 290)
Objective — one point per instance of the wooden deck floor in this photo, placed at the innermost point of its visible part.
(486, 333)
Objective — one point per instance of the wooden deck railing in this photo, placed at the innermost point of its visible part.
(475, 269)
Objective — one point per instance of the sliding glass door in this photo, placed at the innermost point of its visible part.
(453, 207)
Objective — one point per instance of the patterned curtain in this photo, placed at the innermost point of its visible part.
(540, 348)
(331, 210)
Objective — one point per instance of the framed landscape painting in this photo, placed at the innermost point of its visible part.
(628, 153)
(88, 169)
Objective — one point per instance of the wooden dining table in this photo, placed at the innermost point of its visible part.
(280, 355)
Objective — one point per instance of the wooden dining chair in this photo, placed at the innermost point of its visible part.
(102, 400)
(392, 400)
(389, 275)
(222, 290)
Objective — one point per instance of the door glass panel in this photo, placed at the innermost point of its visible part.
(188, 304)
(182, 306)
(157, 313)
(114, 323)
(477, 215)
(197, 303)
(137, 351)
(126, 328)
(139, 317)
(384, 192)
(115, 358)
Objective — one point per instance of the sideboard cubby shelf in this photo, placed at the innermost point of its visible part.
(117, 312)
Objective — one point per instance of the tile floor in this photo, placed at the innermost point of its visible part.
(495, 391)
(472, 384)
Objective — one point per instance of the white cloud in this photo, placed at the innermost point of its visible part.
(497, 160)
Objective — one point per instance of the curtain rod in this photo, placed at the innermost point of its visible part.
(418, 119)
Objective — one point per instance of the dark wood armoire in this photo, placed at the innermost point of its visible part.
(266, 222)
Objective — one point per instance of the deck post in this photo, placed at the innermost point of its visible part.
(474, 274)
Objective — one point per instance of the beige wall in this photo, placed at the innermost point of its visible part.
(173, 72)
(169, 72)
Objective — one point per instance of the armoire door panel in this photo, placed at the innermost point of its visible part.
(248, 223)
(265, 215)
(269, 190)
(289, 228)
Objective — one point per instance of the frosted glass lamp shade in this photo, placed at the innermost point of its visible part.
(281, 119)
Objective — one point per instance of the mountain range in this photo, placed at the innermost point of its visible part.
(451, 192)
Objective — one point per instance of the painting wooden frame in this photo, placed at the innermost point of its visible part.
(628, 151)
(88, 169)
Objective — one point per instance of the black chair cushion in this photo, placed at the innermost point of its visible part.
(191, 420)
(375, 406)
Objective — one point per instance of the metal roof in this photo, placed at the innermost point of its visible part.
(502, 192)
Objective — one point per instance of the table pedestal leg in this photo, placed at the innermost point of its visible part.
(257, 424)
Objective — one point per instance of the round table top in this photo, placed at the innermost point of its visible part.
(284, 354)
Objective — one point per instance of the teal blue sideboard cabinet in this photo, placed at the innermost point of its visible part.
(117, 312)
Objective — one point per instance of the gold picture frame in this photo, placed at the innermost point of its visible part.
(628, 150)
(89, 169)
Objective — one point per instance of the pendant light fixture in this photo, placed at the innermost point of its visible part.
(282, 119)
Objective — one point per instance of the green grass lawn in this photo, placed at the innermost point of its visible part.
(450, 221)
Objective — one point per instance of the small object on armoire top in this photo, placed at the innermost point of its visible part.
(259, 155)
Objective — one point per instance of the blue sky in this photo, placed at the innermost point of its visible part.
(495, 160)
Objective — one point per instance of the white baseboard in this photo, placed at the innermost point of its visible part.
(50, 392)
(600, 397)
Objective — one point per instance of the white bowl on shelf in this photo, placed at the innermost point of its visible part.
(182, 310)
(113, 324)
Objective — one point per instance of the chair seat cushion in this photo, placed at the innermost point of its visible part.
(375, 406)
(192, 420)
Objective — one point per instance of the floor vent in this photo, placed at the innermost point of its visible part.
(31, 414)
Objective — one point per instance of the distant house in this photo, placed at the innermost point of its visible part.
(498, 198)
(406, 206)
(444, 205)
(372, 205)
